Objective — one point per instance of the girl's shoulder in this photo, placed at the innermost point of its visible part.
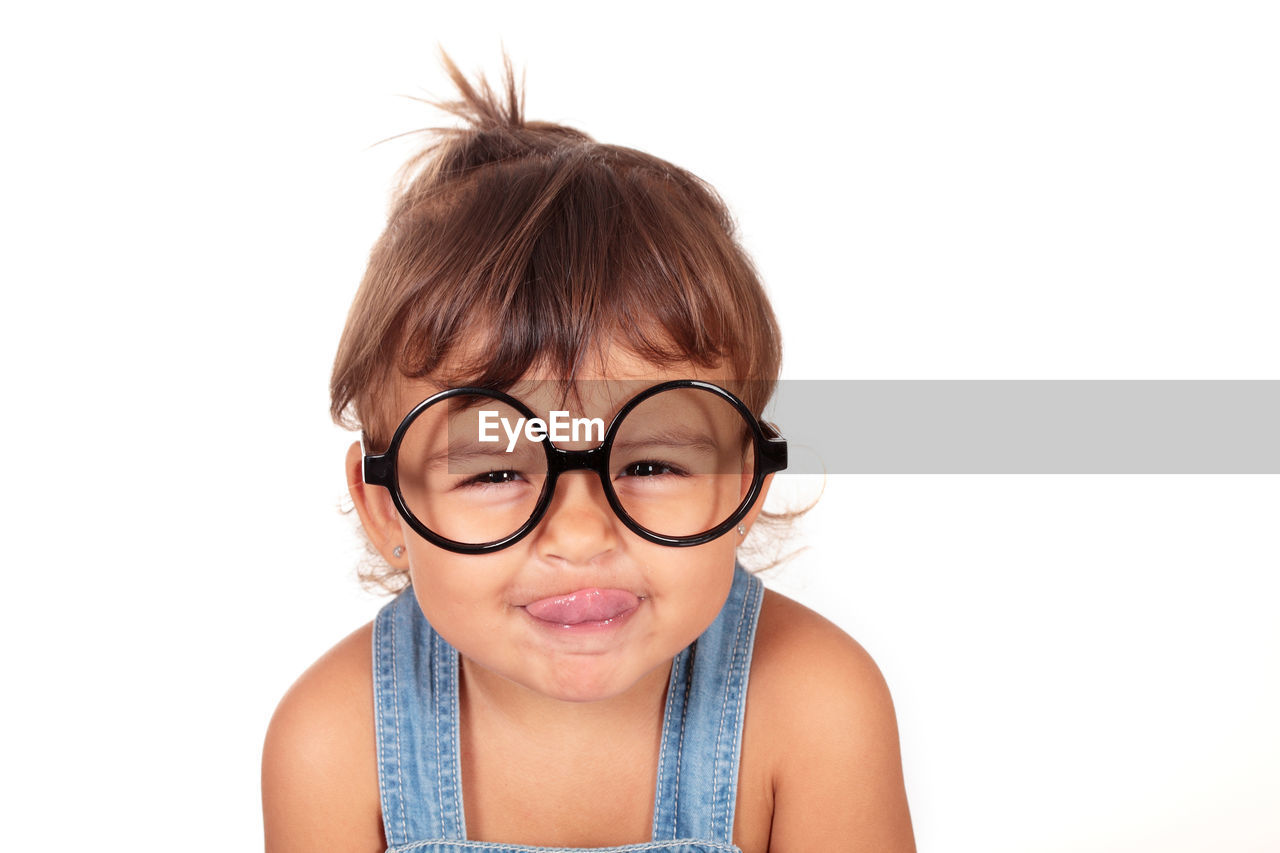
(822, 728)
(319, 760)
(800, 654)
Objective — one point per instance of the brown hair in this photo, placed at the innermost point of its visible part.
(546, 246)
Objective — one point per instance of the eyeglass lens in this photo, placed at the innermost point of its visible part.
(680, 464)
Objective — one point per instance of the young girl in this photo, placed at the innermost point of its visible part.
(557, 359)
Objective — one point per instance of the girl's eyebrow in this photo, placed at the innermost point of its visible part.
(672, 438)
(465, 452)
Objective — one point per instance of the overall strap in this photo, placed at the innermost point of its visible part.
(702, 730)
(415, 677)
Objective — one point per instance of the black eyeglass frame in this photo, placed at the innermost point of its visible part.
(770, 451)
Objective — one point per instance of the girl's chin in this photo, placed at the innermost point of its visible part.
(595, 679)
(585, 686)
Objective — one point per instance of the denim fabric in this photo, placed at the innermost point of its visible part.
(416, 707)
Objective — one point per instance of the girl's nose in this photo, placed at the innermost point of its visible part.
(579, 525)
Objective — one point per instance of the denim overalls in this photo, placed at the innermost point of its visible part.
(416, 708)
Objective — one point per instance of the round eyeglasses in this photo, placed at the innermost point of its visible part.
(472, 470)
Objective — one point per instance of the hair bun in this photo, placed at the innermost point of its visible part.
(482, 108)
(493, 131)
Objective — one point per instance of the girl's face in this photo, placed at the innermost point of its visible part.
(582, 608)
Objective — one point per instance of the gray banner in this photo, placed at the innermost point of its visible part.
(1029, 426)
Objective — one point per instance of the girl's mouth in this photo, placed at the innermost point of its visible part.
(585, 608)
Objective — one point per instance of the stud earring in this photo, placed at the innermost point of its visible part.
(397, 551)
(742, 531)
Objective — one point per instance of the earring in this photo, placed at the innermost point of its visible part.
(742, 531)
(397, 551)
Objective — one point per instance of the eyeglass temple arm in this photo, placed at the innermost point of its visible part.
(774, 452)
(375, 468)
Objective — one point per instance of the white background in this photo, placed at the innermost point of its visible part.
(930, 190)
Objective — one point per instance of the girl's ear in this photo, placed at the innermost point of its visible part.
(759, 504)
(377, 513)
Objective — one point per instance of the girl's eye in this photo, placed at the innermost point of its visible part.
(648, 469)
(495, 478)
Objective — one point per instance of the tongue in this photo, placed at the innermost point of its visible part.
(585, 605)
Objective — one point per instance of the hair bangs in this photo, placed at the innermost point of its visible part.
(542, 262)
